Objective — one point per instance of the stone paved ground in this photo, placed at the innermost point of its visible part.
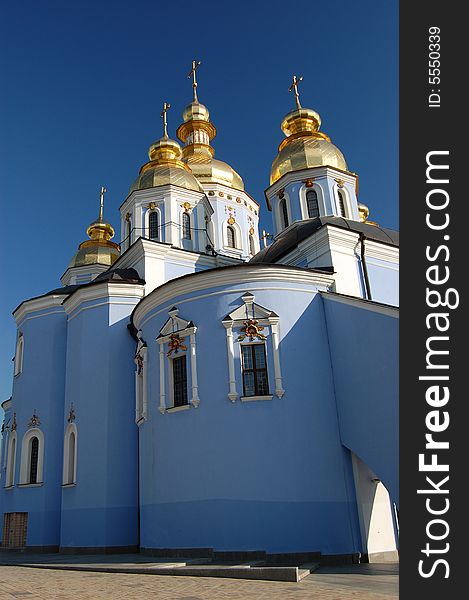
(361, 582)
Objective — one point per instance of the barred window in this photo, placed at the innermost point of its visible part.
(284, 212)
(341, 203)
(312, 204)
(254, 363)
(180, 381)
(186, 226)
(153, 225)
(33, 460)
(231, 237)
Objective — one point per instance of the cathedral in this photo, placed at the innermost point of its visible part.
(200, 387)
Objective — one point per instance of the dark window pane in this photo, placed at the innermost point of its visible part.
(34, 460)
(231, 237)
(255, 379)
(252, 248)
(180, 381)
(259, 354)
(312, 202)
(153, 224)
(284, 212)
(186, 226)
(247, 357)
(249, 384)
(341, 204)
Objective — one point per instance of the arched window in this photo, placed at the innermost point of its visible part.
(186, 226)
(129, 229)
(252, 246)
(312, 204)
(19, 354)
(340, 198)
(153, 225)
(33, 459)
(230, 237)
(70, 455)
(284, 212)
(11, 460)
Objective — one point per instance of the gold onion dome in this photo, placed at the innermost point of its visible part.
(165, 165)
(98, 249)
(305, 146)
(196, 132)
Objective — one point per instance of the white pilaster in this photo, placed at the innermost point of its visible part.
(195, 401)
(162, 394)
(279, 391)
(232, 395)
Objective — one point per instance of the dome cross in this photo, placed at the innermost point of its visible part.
(101, 202)
(192, 73)
(294, 86)
(166, 107)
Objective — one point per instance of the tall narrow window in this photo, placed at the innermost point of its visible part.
(230, 237)
(284, 212)
(11, 461)
(153, 225)
(33, 459)
(340, 197)
(70, 455)
(252, 247)
(186, 226)
(312, 204)
(255, 382)
(180, 381)
(19, 354)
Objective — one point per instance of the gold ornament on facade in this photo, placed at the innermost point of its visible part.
(175, 344)
(231, 221)
(252, 330)
(186, 206)
(251, 231)
(309, 182)
(71, 414)
(151, 206)
(14, 425)
(238, 200)
(34, 420)
(340, 183)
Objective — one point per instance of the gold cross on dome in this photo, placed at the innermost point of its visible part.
(192, 73)
(166, 107)
(294, 86)
(101, 202)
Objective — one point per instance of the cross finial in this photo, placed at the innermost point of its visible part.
(294, 86)
(192, 73)
(166, 107)
(101, 202)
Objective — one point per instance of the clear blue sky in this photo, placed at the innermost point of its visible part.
(82, 88)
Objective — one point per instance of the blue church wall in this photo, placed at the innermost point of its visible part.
(39, 390)
(384, 281)
(222, 475)
(101, 509)
(366, 383)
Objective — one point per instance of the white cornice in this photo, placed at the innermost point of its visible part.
(6, 405)
(37, 304)
(248, 273)
(159, 193)
(106, 290)
(381, 251)
(384, 309)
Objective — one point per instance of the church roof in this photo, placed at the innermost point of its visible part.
(117, 275)
(289, 239)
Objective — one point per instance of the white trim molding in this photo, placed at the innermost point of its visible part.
(141, 380)
(69, 472)
(11, 459)
(26, 456)
(19, 353)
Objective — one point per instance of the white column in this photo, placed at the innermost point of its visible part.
(232, 395)
(195, 401)
(162, 394)
(279, 391)
(137, 395)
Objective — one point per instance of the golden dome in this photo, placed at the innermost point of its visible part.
(98, 249)
(197, 132)
(165, 167)
(305, 146)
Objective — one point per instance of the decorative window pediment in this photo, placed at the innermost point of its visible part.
(251, 323)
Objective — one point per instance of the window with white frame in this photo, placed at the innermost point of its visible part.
(252, 245)
(11, 460)
(19, 354)
(70, 455)
(312, 204)
(32, 457)
(341, 203)
(230, 237)
(283, 213)
(251, 334)
(154, 226)
(186, 226)
(178, 364)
